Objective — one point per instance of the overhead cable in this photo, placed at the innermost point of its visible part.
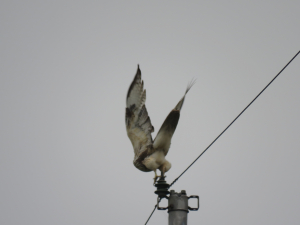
(234, 120)
(227, 128)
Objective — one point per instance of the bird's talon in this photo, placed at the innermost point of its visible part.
(155, 179)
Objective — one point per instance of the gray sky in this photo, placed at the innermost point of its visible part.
(65, 69)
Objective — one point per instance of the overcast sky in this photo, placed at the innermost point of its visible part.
(66, 66)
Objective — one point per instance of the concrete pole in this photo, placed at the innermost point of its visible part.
(178, 208)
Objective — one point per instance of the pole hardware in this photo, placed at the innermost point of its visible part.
(183, 206)
(162, 188)
(162, 192)
(178, 203)
(161, 208)
(178, 208)
(198, 205)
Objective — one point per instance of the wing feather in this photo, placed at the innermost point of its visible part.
(163, 138)
(138, 123)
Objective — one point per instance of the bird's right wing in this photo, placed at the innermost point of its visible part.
(163, 138)
(138, 123)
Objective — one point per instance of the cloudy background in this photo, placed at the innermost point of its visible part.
(65, 69)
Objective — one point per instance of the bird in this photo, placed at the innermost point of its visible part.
(149, 154)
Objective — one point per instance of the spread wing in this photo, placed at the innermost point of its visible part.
(163, 138)
(138, 124)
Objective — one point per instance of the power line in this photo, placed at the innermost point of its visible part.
(227, 127)
(235, 119)
(151, 214)
(152, 211)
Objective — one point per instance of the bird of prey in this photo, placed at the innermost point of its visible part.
(149, 155)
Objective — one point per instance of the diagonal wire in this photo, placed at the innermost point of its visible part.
(227, 127)
(153, 211)
(234, 119)
(151, 214)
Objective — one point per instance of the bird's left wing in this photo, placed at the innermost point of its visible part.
(138, 123)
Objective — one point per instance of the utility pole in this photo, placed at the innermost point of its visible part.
(178, 207)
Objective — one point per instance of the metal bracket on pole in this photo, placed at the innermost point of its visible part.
(161, 208)
(198, 205)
